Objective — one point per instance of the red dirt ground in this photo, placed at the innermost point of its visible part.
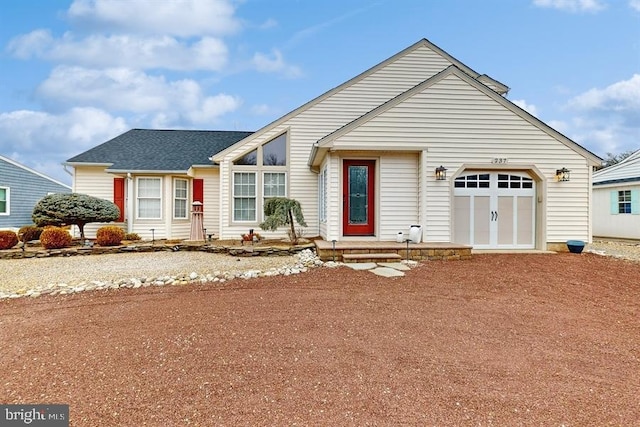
(498, 340)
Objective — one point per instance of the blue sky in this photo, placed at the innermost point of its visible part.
(75, 73)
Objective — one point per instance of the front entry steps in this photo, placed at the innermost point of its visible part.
(375, 257)
(374, 251)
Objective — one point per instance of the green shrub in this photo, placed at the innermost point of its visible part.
(55, 238)
(29, 232)
(109, 235)
(8, 239)
(131, 236)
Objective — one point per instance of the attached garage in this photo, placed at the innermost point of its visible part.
(495, 210)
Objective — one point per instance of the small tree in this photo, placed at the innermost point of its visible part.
(281, 211)
(73, 209)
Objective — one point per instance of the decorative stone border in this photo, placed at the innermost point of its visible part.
(306, 259)
(148, 247)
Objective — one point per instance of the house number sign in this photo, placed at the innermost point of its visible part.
(499, 160)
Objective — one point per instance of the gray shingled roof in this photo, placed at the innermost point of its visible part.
(161, 150)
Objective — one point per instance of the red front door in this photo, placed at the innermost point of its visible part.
(358, 203)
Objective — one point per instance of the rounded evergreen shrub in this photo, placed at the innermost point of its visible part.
(8, 239)
(55, 238)
(29, 232)
(109, 235)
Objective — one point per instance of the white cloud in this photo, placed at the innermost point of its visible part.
(43, 141)
(529, 108)
(608, 120)
(634, 4)
(621, 97)
(275, 64)
(183, 18)
(123, 50)
(35, 43)
(126, 90)
(572, 5)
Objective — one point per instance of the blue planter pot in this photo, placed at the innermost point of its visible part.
(575, 246)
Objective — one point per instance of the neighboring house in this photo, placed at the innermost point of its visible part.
(616, 199)
(362, 161)
(20, 189)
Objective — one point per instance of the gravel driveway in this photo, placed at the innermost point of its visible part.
(535, 339)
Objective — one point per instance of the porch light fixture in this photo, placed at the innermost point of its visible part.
(441, 173)
(562, 174)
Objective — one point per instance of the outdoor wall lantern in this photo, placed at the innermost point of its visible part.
(562, 174)
(441, 173)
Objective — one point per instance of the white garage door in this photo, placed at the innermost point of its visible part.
(495, 210)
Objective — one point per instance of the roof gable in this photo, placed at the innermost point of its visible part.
(626, 170)
(327, 142)
(446, 59)
(32, 171)
(158, 150)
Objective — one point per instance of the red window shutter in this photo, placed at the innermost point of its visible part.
(198, 190)
(118, 196)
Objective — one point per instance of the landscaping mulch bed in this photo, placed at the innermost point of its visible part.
(527, 339)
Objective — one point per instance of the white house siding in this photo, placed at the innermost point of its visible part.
(460, 125)
(321, 117)
(398, 198)
(606, 224)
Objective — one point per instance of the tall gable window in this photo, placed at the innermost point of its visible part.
(4, 201)
(250, 159)
(149, 199)
(274, 152)
(180, 197)
(263, 168)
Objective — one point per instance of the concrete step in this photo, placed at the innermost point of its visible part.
(383, 257)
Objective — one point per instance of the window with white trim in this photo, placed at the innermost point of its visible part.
(322, 195)
(244, 196)
(262, 169)
(624, 201)
(4, 200)
(180, 198)
(149, 200)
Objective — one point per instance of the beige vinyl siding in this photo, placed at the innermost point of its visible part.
(323, 117)
(334, 199)
(458, 124)
(398, 200)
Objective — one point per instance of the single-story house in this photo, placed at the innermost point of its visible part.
(616, 199)
(419, 139)
(20, 189)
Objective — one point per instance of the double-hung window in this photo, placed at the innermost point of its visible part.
(180, 197)
(624, 201)
(149, 198)
(4, 201)
(244, 196)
